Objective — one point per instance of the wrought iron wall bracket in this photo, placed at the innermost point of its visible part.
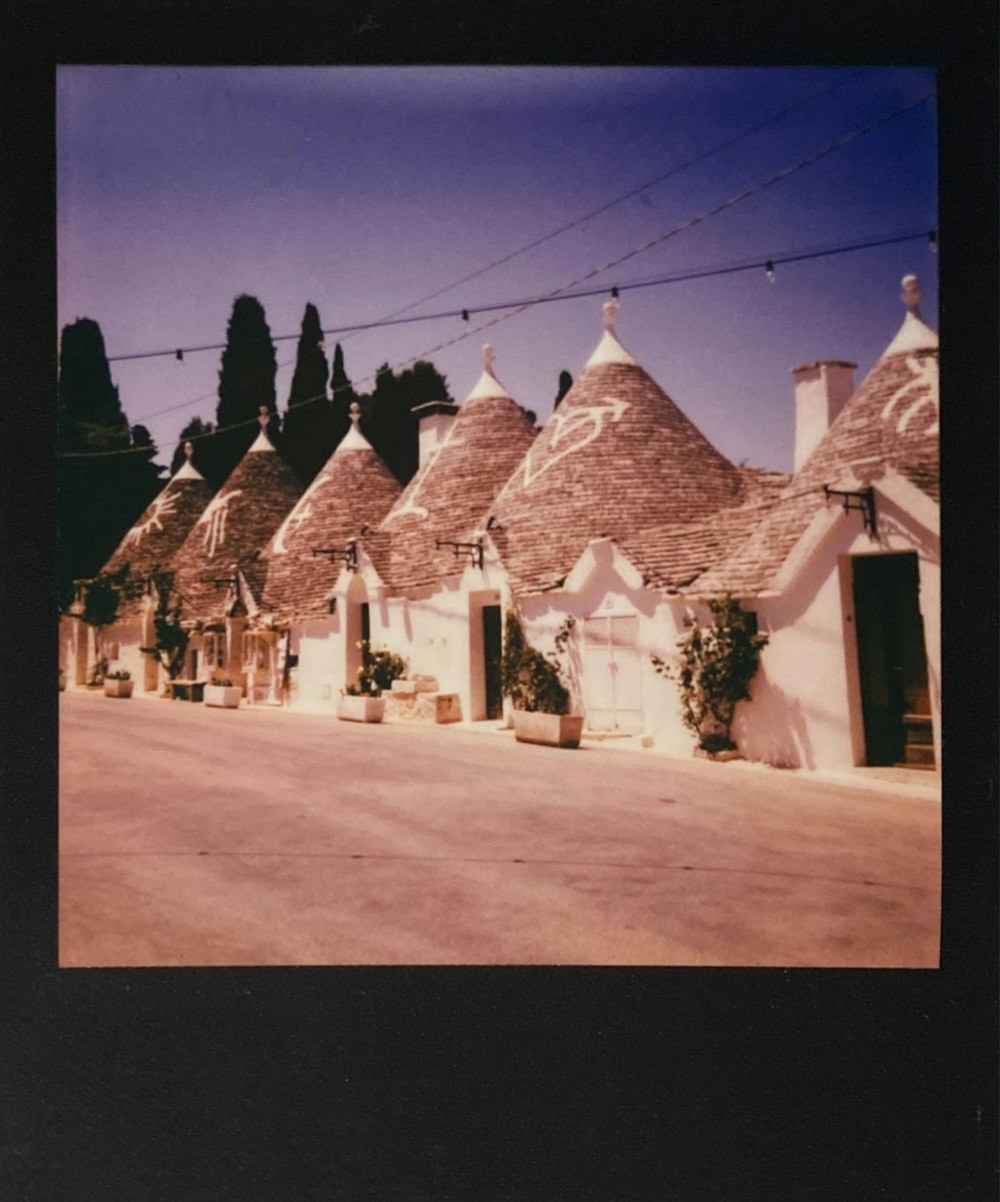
(862, 500)
(475, 550)
(348, 554)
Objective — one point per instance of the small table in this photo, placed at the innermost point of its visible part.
(187, 690)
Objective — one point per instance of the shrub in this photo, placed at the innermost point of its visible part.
(715, 667)
(171, 638)
(533, 681)
(377, 672)
(120, 674)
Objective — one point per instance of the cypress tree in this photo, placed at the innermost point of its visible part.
(100, 495)
(246, 382)
(388, 420)
(343, 397)
(307, 436)
(565, 384)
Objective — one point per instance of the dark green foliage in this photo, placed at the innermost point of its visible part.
(100, 495)
(565, 384)
(530, 679)
(246, 382)
(171, 639)
(307, 434)
(343, 397)
(377, 672)
(387, 418)
(100, 598)
(715, 667)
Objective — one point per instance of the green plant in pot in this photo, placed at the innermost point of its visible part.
(715, 666)
(170, 637)
(118, 683)
(362, 700)
(537, 688)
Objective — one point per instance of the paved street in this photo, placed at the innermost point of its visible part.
(195, 836)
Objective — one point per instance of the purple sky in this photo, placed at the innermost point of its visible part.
(363, 189)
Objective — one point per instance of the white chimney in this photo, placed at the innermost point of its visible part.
(821, 391)
(435, 418)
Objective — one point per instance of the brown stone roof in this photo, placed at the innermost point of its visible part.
(156, 537)
(233, 529)
(890, 421)
(615, 458)
(450, 497)
(354, 489)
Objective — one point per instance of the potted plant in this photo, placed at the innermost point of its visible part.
(171, 637)
(534, 683)
(118, 684)
(220, 691)
(715, 667)
(362, 701)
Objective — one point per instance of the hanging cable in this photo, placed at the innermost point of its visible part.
(679, 278)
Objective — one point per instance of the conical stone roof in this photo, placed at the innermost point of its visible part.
(890, 421)
(354, 489)
(452, 492)
(233, 529)
(616, 457)
(155, 538)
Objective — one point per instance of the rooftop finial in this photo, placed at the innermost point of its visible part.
(263, 417)
(189, 450)
(910, 296)
(609, 314)
(489, 355)
(355, 412)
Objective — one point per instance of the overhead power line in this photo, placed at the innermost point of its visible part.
(755, 264)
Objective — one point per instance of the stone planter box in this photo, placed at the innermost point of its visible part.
(551, 730)
(118, 688)
(361, 709)
(222, 695)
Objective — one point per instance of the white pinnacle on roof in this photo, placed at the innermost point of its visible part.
(914, 334)
(187, 470)
(488, 384)
(354, 440)
(609, 349)
(262, 442)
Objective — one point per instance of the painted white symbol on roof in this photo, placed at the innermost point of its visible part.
(295, 519)
(924, 378)
(409, 504)
(576, 428)
(163, 507)
(215, 518)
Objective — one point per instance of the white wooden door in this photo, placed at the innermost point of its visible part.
(612, 677)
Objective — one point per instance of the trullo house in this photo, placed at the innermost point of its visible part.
(149, 551)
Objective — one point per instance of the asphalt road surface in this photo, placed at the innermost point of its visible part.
(197, 836)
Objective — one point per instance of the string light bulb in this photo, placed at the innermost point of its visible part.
(614, 292)
(769, 271)
(932, 242)
(179, 355)
(465, 315)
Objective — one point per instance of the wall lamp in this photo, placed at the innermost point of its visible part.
(862, 499)
(348, 554)
(475, 550)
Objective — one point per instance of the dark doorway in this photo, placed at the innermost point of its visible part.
(892, 662)
(491, 653)
(366, 623)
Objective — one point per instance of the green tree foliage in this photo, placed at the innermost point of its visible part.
(533, 681)
(170, 638)
(99, 608)
(307, 434)
(100, 495)
(715, 666)
(387, 418)
(565, 384)
(342, 399)
(246, 382)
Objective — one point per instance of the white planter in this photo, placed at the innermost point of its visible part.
(223, 695)
(118, 688)
(551, 730)
(361, 709)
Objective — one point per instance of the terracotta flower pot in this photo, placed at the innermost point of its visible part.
(551, 730)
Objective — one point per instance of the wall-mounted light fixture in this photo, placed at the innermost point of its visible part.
(348, 554)
(862, 499)
(475, 550)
